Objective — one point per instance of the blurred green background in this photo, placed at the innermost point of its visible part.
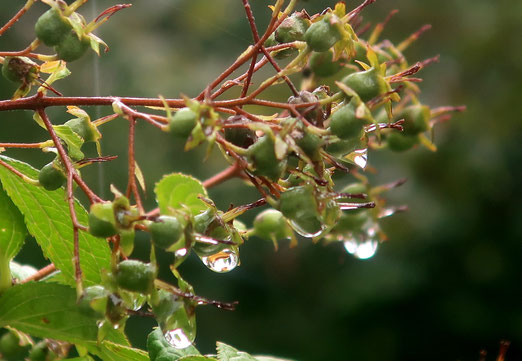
(445, 286)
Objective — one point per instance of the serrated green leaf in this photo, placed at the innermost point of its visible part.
(47, 310)
(177, 189)
(160, 350)
(85, 358)
(47, 218)
(110, 351)
(74, 141)
(12, 227)
(229, 353)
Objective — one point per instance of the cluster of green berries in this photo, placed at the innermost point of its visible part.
(328, 130)
(53, 28)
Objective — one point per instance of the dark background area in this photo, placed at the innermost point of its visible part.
(447, 283)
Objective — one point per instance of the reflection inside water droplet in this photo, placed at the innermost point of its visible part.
(182, 252)
(224, 261)
(177, 338)
(361, 157)
(362, 250)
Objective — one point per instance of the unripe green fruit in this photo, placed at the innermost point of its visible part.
(84, 128)
(166, 231)
(94, 299)
(102, 222)
(262, 155)
(323, 34)
(72, 48)
(322, 64)
(183, 122)
(163, 305)
(19, 69)
(136, 276)
(344, 147)
(367, 84)
(416, 119)
(310, 144)
(41, 352)
(51, 27)
(10, 347)
(50, 177)
(299, 205)
(345, 124)
(399, 142)
(351, 221)
(291, 29)
(270, 224)
(242, 137)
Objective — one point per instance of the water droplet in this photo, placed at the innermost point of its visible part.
(223, 261)
(177, 338)
(362, 250)
(182, 252)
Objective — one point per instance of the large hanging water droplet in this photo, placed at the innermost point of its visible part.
(307, 231)
(362, 250)
(223, 261)
(177, 338)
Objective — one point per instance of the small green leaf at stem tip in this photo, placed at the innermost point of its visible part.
(176, 191)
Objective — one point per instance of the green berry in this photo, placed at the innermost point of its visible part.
(310, 144)
(84, 128)
(243, 137)
(166, 231)
(345, 124)
(11, 347)
(323, 34)
(51, 27)
(322, 64)
(163, 305)
(399, 142)
(136, 276)
(264, 160)
(299, 205)
(19, 69)
(367, 84)
(416, 119)
(291, 29)
(351, 221)
(102, 222)
(72, 47)
(183, 122)
(51, 177)
(41, 352)
(344, 147)
(270, 224)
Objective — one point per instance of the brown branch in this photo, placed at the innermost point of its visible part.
(17, 16)
(41, 273)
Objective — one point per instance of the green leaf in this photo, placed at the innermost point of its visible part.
(177, 189)
(47, 310)
(74, 141)
(160, 350)
(197, 358)
(110, 351)
(85, 358)
(12, 227)
(228, 353)
(48, 220)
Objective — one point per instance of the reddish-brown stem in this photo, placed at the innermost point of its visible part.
(274, 22)
(14, 19)
(132, 187)
(22, 145)
(71, 173)
(228, 84)
(41, 273)
(228, 173)
(12, 169)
